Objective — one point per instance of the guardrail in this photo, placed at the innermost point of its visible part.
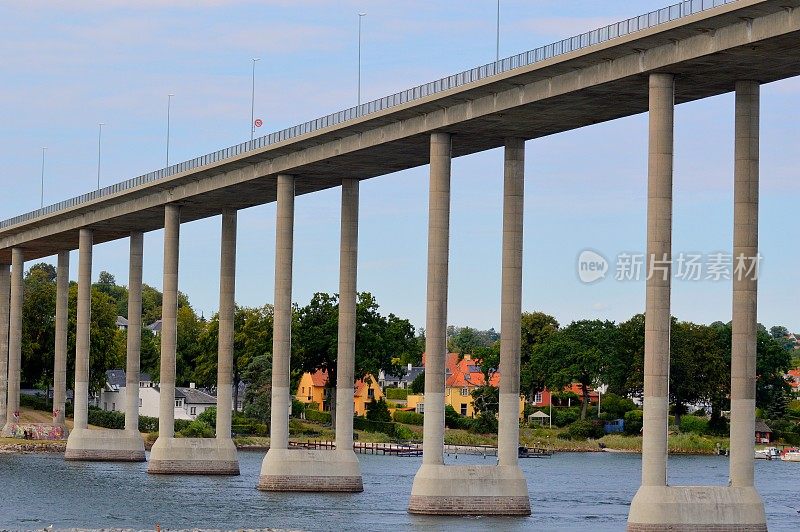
(584, 40)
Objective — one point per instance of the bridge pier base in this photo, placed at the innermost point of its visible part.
(311, 470)
(193, 456)
(693, 508)
(469, 490)
(105, 445)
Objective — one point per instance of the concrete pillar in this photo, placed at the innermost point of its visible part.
(82, 332)
(62, 323)
(745, 246)
(511, 302)
(656, 505)
(345, 360)
(227, 308)
(659, 255)
(5, 300)
(436, 313)
(169, 322)
(282, 328)
(15, 337)
(134, 347)
(193, 456)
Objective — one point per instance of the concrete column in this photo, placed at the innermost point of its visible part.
(5, 297)
(169, 322)
(745, 286)
(227, 308)
(659, 254)
(511, 302)
(345, 361)
(436, 319)
(282, 332)
(62, 324)
(84, 319)
(133, 356)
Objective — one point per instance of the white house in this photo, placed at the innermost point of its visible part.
(189, 402)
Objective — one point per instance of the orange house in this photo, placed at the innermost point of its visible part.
(313, 389)
(544, 397)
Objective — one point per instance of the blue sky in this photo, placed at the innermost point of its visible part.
(69, 66)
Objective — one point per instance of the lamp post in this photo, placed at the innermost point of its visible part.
(253, 102)
(360, 16)
(99, 139)
(41, 204)
(169, 104)
(497, 49)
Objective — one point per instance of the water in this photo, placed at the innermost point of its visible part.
(570, 491)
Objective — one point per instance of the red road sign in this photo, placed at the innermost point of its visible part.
(258, 122)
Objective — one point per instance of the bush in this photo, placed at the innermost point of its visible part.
(404, 433)
(209, 417)
(106, 418)
(298, 407)
(633, 422)
(317, 416)
(566, 416)
(410, 418)
(148, 424)
(196, 429)
(182, 424)
(584, 430)
(418, 384)
(695, 424)
(396, 393)
(484, 424)
(368, 425)
(616, 406)
(378, 411)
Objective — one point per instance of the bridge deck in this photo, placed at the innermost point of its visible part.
(708, 51)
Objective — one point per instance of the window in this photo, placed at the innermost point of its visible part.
(420, 408)
(192, 410)
(463, 409)
(464, 392)
(113, 406)
(538, 398)
(371, 393)
(178, 402)
(140, 402)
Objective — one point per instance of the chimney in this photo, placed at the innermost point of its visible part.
(191, 386)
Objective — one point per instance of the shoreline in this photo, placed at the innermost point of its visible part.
(14, 446)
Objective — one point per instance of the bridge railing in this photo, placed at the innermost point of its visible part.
(564, 46)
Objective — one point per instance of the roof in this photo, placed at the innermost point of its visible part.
(539, 414)
(115, 378)
(467, 373)
(409, 376)
(762, 427)
(193, 396)
(122, 321)
(155, 326)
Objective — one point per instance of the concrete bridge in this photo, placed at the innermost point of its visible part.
(688, 51)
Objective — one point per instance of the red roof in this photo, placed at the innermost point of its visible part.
(465, 373)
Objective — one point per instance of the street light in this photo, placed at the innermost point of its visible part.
(253, 101)
(44, 150)
(99, 138)
(360, 16)
(497, 52)
(169, 103)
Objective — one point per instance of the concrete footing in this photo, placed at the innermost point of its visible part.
(469, 490)
(193, 456)
(697, 508)
(105, 445)
(310, 470)
(36, 431)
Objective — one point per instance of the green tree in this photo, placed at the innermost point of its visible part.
(536, 328)
(188, 348)
(578, 353)
(418, 384)
(625, 374)
(38, 326)
(258, 397)
(378, 411)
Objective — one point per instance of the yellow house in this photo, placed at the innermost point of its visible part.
(462, 377)
(313, 389)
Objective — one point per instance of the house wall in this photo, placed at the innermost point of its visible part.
(112, 401)
(308, 393)
(360, 401)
